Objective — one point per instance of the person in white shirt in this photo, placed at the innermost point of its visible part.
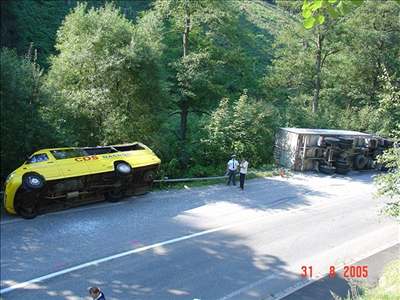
(232, 166)
(243, 171)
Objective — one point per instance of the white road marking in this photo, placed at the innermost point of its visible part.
(126, 253)
(145, 248)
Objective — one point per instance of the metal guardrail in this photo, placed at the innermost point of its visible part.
(189, 179)
(196, 178)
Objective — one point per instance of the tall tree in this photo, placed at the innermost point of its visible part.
(107, 76)
(300, 64)
(23, 126)
(188, 64)
(245, 127)
(366, 69)
(26, 22)
(326, 39)
(374, 46)
(206, 57)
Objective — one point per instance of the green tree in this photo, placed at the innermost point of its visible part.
(388, 183)
(366, 70)
(24, 22)
(211, 52)
(349, 54)
(184, 18)
(389, 108)
(188, 64)
(296, 76)
(372, 46)
(316, 11)
(23, 126)
(245, 128)
(106, 77)
(27, 22)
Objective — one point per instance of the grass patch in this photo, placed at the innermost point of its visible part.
(189, 184)
(262, 174)
(388, 287)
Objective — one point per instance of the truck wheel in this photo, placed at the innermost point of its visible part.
(122, 168)
(33, 181)
(342, 170)
(330, 141)
(327, 169)
(360, 161)
(345, 143)
(342, 161)
(370, 163)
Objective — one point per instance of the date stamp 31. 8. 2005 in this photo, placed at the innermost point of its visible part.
(348, 271)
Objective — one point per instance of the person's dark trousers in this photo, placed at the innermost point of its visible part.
(242, 178)
(232, 177)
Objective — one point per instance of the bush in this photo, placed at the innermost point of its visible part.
(245, 128)
(388, 184)
(205, 171)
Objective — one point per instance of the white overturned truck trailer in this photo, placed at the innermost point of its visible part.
(327, 150)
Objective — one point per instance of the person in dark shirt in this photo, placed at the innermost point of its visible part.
(232, 166)
(96, 293)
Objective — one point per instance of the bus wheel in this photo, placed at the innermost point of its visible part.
(27, 207)
(115, 195)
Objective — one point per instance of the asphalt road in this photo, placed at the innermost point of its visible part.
(213, 242)
(341, 285)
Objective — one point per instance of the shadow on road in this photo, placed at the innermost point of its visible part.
(208, 268)
(55, 242)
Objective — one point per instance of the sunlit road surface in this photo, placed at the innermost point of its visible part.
(204, 243)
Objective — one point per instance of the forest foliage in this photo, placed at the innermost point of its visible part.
(195, 80)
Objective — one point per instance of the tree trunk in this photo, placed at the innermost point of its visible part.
(184, 116)
(186, 30)
(317, 82)
(376, 73)
(183, 105)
